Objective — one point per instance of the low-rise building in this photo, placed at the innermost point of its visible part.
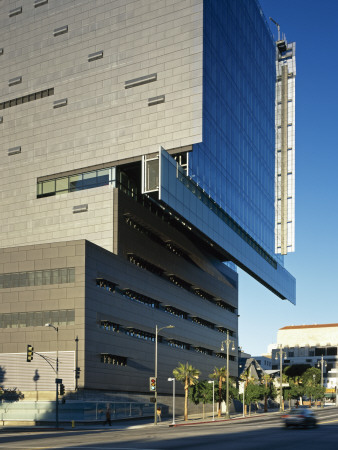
(309, 344)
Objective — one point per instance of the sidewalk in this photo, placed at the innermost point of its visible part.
(194, 419)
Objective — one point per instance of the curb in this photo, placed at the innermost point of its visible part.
(222, 420)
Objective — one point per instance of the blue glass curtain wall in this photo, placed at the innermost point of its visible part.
(235, 163)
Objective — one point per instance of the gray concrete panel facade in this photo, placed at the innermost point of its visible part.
(131, 337)
(101, 118)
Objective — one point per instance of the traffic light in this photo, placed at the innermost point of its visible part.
(77, 372)
(152, 384)
(62, 389)
(30, 352)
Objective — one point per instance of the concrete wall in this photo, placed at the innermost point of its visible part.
(312, 336)
(43, 300)
(102, 121)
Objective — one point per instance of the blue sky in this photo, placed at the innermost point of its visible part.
(313, 26)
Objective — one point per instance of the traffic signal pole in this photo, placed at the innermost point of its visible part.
(57, 403)
(155, 404)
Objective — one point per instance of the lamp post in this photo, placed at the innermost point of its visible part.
(213, 398)
(173, 380)
(57, 374)
(242, 384)
(321, 364)
(281, 354)
(227, 343)
(156, 337)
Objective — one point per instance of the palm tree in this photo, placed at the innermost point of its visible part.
(267, 380)
(219, 374)
(188, 375)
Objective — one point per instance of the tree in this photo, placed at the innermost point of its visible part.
(201, 392)
(295, 390)
(247, 378)
(310, 374)
(233, 391)
(267, 390)
(253, 393)
(188, 375)
(220, 374)
(296, 370)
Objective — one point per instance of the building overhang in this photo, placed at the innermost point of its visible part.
(176, 191)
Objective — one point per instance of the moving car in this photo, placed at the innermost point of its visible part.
(300, 417)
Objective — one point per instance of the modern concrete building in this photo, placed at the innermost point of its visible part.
(307, 344)
(138, 170)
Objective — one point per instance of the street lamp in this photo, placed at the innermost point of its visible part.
(227, 343)
(281, 354)
(213, 398)
(321, 364)
(242, 385)
(156, 336)
(57, 374)
(173, 380)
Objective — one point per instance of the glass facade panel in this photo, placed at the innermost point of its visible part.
(61, 184)
(89, 180)
(103, 177)
(48, 187)
(235, 163)
(75, 183)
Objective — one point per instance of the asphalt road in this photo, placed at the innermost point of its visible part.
(261, 432)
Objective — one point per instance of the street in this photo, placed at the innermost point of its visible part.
(258, 432)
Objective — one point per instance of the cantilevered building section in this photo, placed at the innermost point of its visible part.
(285, 146)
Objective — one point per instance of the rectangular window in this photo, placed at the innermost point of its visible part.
(48, 187)
(55, 276)
(103, 177)
(89, 180)
(46, 277)
(39, 3)
(61, 30)
(30, 279)
(46, 317)
(15, 12)
(14, 319)
(38, 319)
(54, 317)
(63, 317)
(70, 316)
(22, 320)
(38, 278)
(71, 274)
(75, 183)
(61, 185)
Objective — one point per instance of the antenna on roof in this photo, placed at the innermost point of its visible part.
(278, 27)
